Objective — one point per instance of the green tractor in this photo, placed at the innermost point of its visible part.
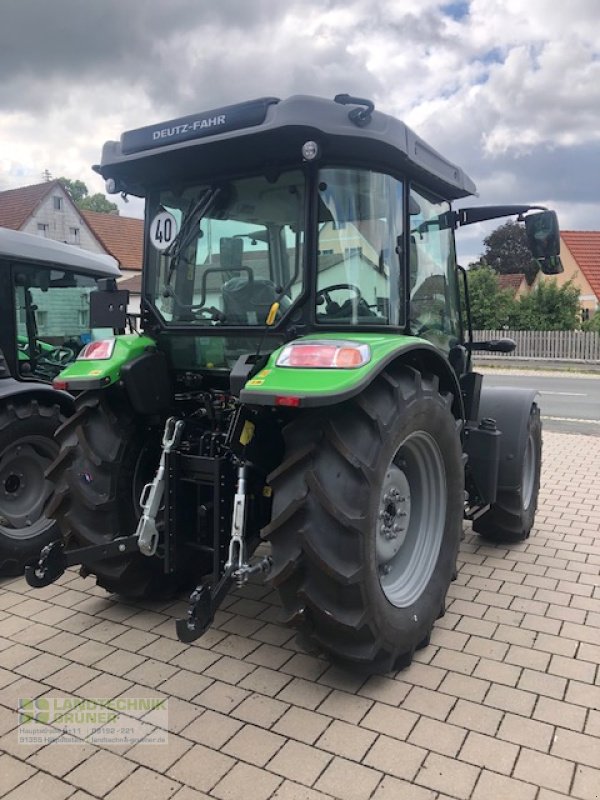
(303, 379)
(45, 324)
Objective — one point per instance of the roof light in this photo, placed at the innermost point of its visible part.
(324, 354)
(97, 351)
(310, 150)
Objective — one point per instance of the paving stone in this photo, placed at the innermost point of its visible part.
(40, 785)
(235, 785)
(144, 784)
(484, 751)
(586, 784)
(394, 722)
(304, 693)
(577, 747)
(491, 785)
(509, 699)
(393, 789)
(201, 768)
(396, 758)
(437, 736)
(211, 729)
(380, 688)
(544, 770)
(447, 775)
(348, 741)
(265, 681)
(260, 710)
(527, 732)
(218, 696)
(100, 773)
(432, 704)
(348, 781)
(13, 771)
(348, 707)
(299, 762)
(254, 745)
(566, 715)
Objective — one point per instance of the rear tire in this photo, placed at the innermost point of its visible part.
(105, 458)
(511, 517)
(351, 474)
(27, 448)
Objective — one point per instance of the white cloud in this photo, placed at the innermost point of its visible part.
(510, 91)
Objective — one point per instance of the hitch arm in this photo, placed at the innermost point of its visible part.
(54, 559)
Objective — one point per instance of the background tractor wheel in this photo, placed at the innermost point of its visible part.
(27, 448)
(511, 517)
(367, 519)
(105, 459)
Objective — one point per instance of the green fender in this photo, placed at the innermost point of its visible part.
(292, 386)
(98, 374)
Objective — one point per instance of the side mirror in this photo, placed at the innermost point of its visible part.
(543, 238)
(505, 345)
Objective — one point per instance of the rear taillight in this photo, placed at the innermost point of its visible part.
(97, 351)
(324, 354)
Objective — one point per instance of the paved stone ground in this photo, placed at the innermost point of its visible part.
(505, 703)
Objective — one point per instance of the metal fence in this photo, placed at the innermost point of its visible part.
(550, 345)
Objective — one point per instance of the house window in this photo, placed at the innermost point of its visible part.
(58, 203)
(42, 229)
(352, 251)
(74, 235)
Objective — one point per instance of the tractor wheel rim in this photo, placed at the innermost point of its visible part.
(23, 486)
(411, 519)
(529, 468)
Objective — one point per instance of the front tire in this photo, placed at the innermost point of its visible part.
(27, 448)
(387, 462)
(510, 519)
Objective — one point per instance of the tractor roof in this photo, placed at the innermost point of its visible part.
(27, 247)
(269, 132)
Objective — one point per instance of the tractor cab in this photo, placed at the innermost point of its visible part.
(47, 287)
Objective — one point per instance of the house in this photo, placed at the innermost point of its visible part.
(580, 255)
(46, 209)
(517, 283)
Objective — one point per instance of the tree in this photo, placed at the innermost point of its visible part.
(491, 306)
(593, 323)
(548, 307)
(506, 251)
(79, 194)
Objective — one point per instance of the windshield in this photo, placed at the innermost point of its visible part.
(222, 255)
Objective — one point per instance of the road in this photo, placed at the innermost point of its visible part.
(569, 404)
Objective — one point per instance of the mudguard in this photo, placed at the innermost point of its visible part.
(510, 407)
(312, 387)
(11, 388)
(84, 374)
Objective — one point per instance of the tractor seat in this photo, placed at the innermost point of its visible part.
(248, 302)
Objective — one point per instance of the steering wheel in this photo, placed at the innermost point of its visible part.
(331, 306)
(58, 357)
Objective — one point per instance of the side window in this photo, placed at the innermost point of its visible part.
(360, 220)
(434, 305)
(52, 318)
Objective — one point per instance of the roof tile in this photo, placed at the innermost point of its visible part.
(17, 205)
(122, 237)
(584, 246)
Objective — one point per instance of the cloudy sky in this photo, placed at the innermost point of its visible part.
(508, 89)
